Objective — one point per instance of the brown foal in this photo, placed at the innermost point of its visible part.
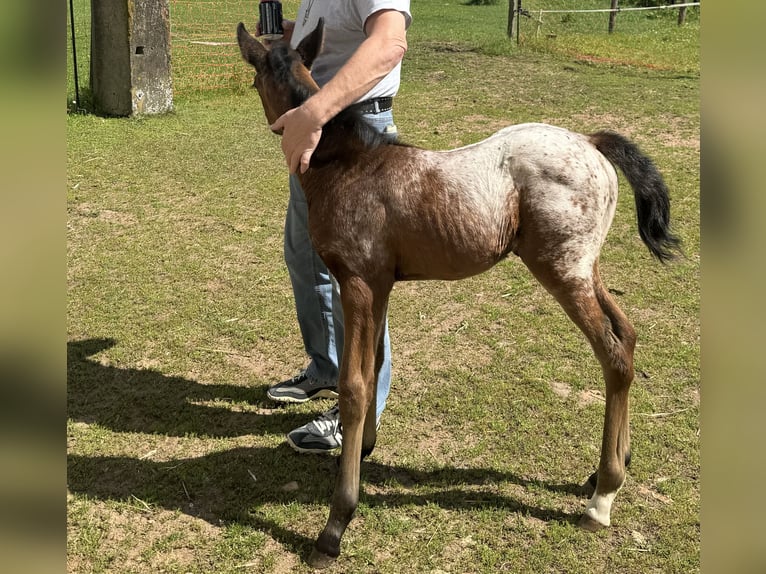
(381, 212)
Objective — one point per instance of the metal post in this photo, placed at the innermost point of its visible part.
(74, 58)
(518, 20)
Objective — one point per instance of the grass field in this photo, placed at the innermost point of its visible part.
(180, 316)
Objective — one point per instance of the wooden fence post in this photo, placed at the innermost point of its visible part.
(612, 16)
(511, 12)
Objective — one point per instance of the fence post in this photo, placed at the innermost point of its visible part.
(74, 59)
(511, 12)
(612, 16)
(130, 57)
(681, 15)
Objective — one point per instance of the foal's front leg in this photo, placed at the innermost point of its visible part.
(356, 394)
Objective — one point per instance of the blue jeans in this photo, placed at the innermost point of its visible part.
(317, 295)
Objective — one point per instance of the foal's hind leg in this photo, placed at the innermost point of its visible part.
(613, 340)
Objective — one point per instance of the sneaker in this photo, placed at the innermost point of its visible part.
(319, 436)
(300, 389)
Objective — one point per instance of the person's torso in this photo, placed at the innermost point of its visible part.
(344, 31)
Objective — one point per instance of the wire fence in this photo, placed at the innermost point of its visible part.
(205, 54)
(623, 9)
(562, 17)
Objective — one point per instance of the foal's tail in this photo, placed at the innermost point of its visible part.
(651, 193)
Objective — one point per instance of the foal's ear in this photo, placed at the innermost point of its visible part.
(311, 45)
(252, 50)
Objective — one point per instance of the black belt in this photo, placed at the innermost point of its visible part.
(374, 106)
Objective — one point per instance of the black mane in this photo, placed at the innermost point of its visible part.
(351, 121)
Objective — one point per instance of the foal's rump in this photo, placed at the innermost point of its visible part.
(567, 197)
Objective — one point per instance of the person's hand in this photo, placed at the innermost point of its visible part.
(287, 27)
(301, 130)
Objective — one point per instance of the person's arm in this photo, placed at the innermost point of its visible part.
(380, 52)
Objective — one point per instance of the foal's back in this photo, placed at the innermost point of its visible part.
(527, 189)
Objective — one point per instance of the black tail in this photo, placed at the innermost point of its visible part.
(651, 193)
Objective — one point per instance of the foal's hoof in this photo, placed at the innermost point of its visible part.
(590, 524)
(319, 559)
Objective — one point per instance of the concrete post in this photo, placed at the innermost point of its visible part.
(130, 57)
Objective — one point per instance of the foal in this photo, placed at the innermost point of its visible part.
(380, 213)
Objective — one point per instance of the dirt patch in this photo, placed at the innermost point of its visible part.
(140, 541)
(271, 558)
(615, 61)
(562, 390)
(432, 439)
(263, 365)
(650, 494)
(89, 211)
(590, 397)
(118, 217)
(675, 132)
(457, 547)
(583, 398)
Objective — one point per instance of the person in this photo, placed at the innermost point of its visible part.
(359, 65)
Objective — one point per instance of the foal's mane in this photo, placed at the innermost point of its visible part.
(346, 133)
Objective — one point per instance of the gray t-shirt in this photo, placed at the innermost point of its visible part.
(344, 31)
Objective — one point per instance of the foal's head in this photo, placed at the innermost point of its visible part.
(282, 75)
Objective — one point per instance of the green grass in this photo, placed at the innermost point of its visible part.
(180, 315)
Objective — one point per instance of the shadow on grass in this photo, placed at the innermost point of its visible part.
(229, 486)
(147, 401)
